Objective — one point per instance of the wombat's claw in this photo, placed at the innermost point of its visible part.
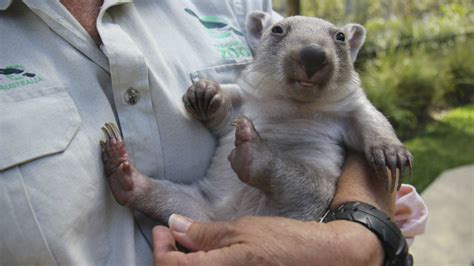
(240, 123)
(113, 149)
(238, 119)
(393, 158)
(111, 131)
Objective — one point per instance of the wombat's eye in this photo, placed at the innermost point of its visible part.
(277, 30)
(340, 37)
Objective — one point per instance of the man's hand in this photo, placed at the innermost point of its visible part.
(276, 240)
(265, 241)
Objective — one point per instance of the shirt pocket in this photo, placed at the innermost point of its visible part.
(35, 122)
(52, 199)
(223, 74)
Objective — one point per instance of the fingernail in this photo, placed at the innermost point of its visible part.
(179, 223)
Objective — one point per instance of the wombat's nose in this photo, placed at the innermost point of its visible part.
(312, 59)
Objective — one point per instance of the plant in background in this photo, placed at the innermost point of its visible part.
(461, 67)
(406, 86)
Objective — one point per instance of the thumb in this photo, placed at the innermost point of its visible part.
(195, 235)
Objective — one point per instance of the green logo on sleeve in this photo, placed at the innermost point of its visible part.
(15, 76)
(229, 39)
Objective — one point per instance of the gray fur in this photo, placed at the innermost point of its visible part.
(297, 148)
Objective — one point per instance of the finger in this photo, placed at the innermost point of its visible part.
(201, 236)
(164, 248)
(163, 240)
(235, 255)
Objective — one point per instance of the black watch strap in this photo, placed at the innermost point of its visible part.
(393, 242)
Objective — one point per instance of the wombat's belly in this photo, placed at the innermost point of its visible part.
(232, 198)
(318, 143)
(229, 197)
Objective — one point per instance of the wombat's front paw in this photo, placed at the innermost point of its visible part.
(250, 155)
(126, 183)
(392, 156)
(203, 99)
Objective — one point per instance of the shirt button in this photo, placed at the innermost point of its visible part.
(132, 96)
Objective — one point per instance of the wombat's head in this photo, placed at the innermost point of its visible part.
(307, 57)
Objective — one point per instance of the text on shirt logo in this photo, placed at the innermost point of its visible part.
(230, 44)
(15, 76)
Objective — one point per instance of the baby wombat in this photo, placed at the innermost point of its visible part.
(301, 104)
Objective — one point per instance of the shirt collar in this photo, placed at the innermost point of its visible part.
(109, 3)
(4, 4)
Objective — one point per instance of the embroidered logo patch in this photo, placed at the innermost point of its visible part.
(228, 38)
(15, 76)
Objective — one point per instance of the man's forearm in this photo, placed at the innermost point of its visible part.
(359, 183)
(275, 240)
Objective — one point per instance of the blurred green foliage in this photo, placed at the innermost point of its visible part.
(409, 85)
(444, 144)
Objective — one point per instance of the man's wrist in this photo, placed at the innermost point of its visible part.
(357, 245)
(391, 238)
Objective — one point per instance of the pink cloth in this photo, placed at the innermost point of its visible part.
(411, 213)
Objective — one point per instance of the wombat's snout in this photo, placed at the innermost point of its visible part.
(312, 58)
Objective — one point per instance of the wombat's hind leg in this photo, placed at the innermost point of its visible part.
(126, 183)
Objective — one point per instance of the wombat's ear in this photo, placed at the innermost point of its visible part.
(257, 22)
(355, 35)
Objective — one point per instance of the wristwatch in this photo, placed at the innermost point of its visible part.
(391, 238)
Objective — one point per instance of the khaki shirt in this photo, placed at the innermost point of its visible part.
(57, 88)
